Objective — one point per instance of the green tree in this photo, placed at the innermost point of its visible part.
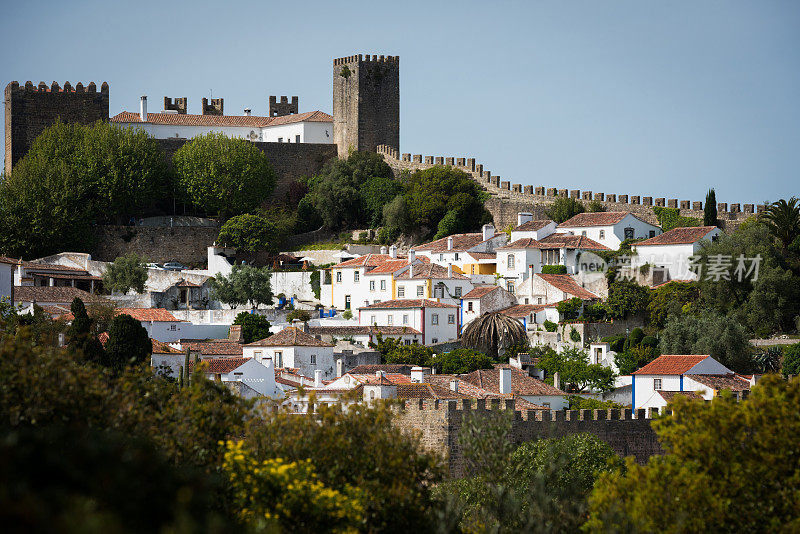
(125, 273)
(76, 176)
(395, 216)
(80, 337)
(710, 209)
(634, 358)
(670, 299)
(564, 208)
(251, 233)
(708, 332)
(493, 333)
(301, 315)
(574, 369)
(570, 309)
(595, 207)
(410, 354)
(783, 220)
(245, 284)
(128, 343)
(221, 175)
(376, 193)
(461, 361)
(704, 483)
(669, 218)
(254, 327)
(791, 359)
(626, 298)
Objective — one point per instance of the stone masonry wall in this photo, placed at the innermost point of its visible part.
(186, 244)
(30, 109)
(508, 199)
(439, 423)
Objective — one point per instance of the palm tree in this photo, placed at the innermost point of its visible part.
(493, 333)
(783, 220)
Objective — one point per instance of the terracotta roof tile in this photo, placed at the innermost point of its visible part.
(220, 347)
(480, 291)
(568, 285)
(461, 242)
(483, 255)
(524, 243)
(427, 391)
(252, 121)
(35, 266)
(387, 267)
(670, 395)
(12, 261)
(393, 368)
(523, 310)
(60, 295)
(571, 241)
(601, 218)
(730, 382)
(533, 225)
(221, 366)
(407, 303)
(678, 236)
(148, 314)
(671, 364)
(290, 336)
(428, 271)
(159, 347)
(365, 261)
(521, 382)
(361, 330)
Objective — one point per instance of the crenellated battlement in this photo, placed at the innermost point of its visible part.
(546, 416)
(54, 87)
(284, 107)
(543, 195)
(366, 58)
(179, 105)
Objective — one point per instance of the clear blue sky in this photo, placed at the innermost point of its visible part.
(651, 98)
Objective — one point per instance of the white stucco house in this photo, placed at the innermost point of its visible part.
(309, 127)
(366, 279)
(472, 253)
(259, 376)
(552, 288)
(294, 348)
(484, 299)
(530, 228)
(671, 251)
(609, 228)
(697, 373)
(364, 335)
(431, 281)
(437, 322)
(7, 266)
(531, 315)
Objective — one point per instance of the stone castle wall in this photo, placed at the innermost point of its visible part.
(30, 109)
(186, 244)
(508, 199)
(439, 423)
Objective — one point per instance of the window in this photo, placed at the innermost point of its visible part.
(628, 232)
(313, 359)
(435, 340)
(451, 318)
(583, 233)
(405, 319)
(280, 139)
(401, 292)
(339, 277)
(347, 302)
(469, 306)
(539, 300)
(441, 257)
(652, 233)
(356, 276)
(510, 261)
(456, 256)
(296, 138)
(372, 320)
(278, 358)
(383, 285)
(372, 285)
(257, 355)
(435, 318)
(372, 395)
(407, 342)
(173, 327)
(458, 292)
(438, 291)
(657, 384)
(602, 234)
(510, 287)
(526, 300)
(389, 320)
(420, 291)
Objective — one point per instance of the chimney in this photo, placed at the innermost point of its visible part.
(318, 378)
(411, 256)
(143, 108)
(450, 243)
(339, 367)
(383, 249)
(505, 380)
(393, 252)
(235, 333)
(488, 231)
(556, 381)
(411, 270)
(523, 217)
(454, 385)
(247, 112)
(380, 374)
(449, 270)
(418, 374)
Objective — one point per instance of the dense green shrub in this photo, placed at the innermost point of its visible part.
(550, 326)
(554, 269)
(251, 233)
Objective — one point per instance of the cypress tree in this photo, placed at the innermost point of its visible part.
(710, 209)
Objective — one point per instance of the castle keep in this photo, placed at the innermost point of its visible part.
(30, 109)
(366, 103)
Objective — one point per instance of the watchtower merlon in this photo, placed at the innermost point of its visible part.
(366, 102)
(284, 107)
(180, 105)
(216, 107)
(29, 109)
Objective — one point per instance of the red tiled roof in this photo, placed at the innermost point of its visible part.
(221, 366)
(730, 381)
(427, 391)
(159, 347)
(186, 283)
(287, 382)
(430, 270)
(461, 242)
(526, 242)
(387, 378)
(483, 255)
(12, 261)
(601, 218)
(571, 241)
(102, 337)
(61, 295)
(670, 395)
(178, 119)
(387, 266)
(216, 347)
(364, 261)
(407, 303)
(480, 291)
(290, 336)
(568, 285)
(679, 236)
(77, 275)
(533, 225)
(37, 266)
(148, 314)
(393, 368)
(671, 364)
(362, 330)
(521, 382)
(523, 310)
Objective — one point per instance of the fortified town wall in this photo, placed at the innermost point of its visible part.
(508, 199)
(186, 244)
(439, 423)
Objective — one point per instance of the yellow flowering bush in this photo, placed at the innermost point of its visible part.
(289, 494)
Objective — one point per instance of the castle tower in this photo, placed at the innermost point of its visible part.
(30, 109)
(366, 103)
